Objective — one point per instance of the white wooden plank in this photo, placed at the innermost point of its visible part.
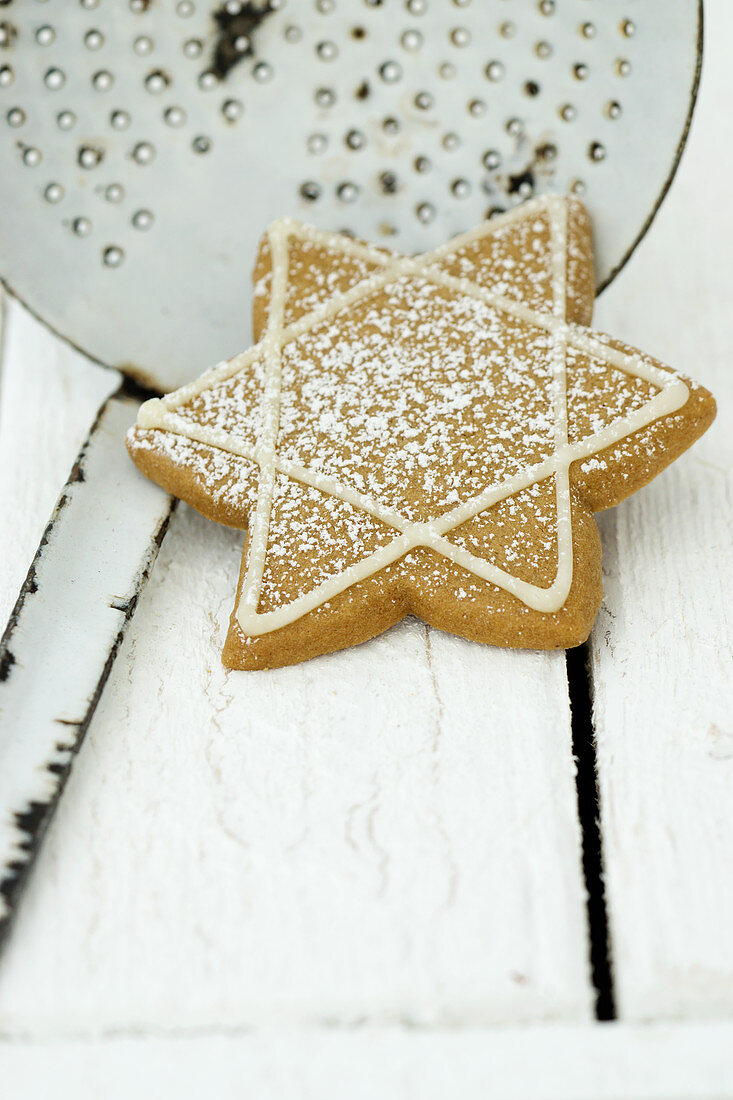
(662, 648)
(383, 834)
(606, 1062)
(98, 549)
(49, 395)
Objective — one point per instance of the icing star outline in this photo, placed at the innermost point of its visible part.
(564, 335)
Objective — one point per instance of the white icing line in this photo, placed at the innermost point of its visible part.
(267, 442)
(158, 414)
(198, 433)
(563, 503)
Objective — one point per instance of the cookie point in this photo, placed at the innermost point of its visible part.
(285, 226)
(148, 413)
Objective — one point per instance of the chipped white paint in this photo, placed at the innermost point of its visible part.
(663, 646)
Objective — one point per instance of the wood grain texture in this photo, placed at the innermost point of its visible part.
(383, 834)
(548, 1062)
(662, 648)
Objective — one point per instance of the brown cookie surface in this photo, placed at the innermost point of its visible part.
(425, 435)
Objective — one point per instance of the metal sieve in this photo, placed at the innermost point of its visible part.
(145, 144)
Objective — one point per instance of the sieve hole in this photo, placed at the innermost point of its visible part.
(232, 109)
(143, 153)
(45, 35)
(348, 191)
(31, 156)
(355, 140)
(54, 79)
(316, 143)
(113, 255)
(53, 192)
(143, 220)
(174, 116)
(102, 81)
(201, 144)
(157, 81)
(94, 39)
(89, 156)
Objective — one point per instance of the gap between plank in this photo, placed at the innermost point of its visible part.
(586, 782)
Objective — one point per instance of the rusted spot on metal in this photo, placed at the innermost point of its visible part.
(521, 183)
(8, 34)
(77, 473)
(537, 170)
(232, 29)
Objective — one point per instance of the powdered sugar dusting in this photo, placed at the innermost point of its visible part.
(417, 417)
(417, 396)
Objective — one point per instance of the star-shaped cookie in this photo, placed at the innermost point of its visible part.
(426, 435)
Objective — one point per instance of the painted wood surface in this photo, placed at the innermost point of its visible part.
(548, 1062)
(663, 645)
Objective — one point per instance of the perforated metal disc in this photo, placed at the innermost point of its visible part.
(146, 144)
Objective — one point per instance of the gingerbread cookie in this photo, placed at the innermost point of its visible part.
(426, 435)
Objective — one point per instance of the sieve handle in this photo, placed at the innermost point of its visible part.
(66, 628)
